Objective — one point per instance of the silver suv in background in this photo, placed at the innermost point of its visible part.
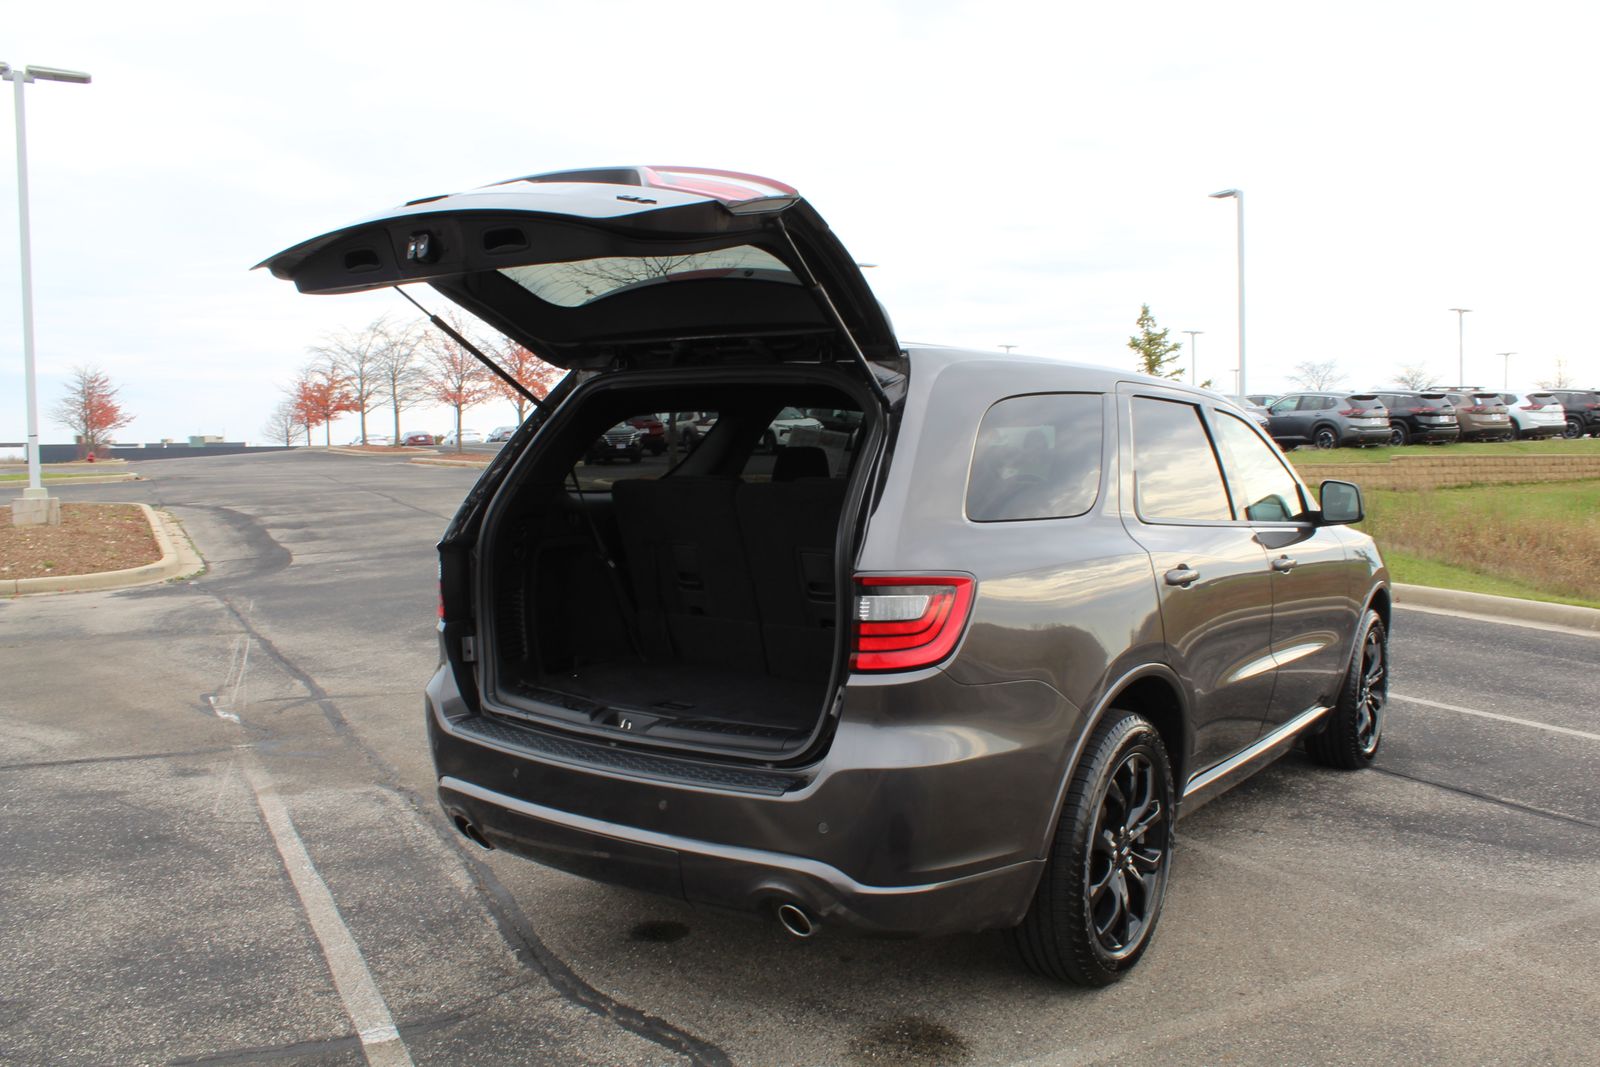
(957, 661)
(1329, 420)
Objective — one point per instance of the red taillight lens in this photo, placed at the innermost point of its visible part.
(908, 621)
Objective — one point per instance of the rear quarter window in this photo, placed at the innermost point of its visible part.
(1037, 457)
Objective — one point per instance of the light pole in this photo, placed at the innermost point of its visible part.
(1237, 195)
(36, 506)
(1193, 354)
(1461, 359)
(1505, 377)
(1007, 348)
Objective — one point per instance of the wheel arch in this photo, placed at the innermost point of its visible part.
(1154, 691)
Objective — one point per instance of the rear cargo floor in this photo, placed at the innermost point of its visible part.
(687, 692)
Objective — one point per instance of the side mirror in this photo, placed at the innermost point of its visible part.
(1341, 503)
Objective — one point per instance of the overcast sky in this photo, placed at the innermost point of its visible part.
(1022, 174)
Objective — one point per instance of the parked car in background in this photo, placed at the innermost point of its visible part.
(1256, 411)
(417, 438)
(690, 427)
(1262, 400)
(374, 440)
(1420, 417)
(1537, 414)
(1582, 407)
(500, 433)
(786, 423)
(1329, 420)
(654, 431)
(623, 441)
(965, 679)
(463, 437)
(1481, 414)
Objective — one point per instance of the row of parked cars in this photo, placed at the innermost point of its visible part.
(1431, 416)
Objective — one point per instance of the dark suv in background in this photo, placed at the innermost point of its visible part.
(1421, 417)
(1583, 411)
(1329, 420)
(956, 658)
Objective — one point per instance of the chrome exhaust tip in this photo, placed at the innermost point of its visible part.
(471, 833)
(794, 918)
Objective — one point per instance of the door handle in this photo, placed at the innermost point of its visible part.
(1284, 564)
(1182, 576)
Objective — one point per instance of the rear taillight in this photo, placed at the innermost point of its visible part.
(1533, 407)
(1352, 413)
(908, 621)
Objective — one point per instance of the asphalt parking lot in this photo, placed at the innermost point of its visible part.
(221, 846)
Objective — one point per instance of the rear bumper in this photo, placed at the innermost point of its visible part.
(1377, 435)
(1422, 431)
(741, 879)
(919, 834)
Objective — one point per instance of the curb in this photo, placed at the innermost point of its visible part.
(337, 450)
(62, 483)
(1569, 616)
(178, 559)
(448, 463)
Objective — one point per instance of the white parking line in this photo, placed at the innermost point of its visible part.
(380, 1040)
(1497, 717)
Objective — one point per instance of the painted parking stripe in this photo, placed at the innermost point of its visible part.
(1586, 735)
(380, 1040)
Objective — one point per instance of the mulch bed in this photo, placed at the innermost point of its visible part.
(91, 538)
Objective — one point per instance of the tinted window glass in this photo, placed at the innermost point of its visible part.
(1262, 490)
(1175, 470)
(1037, 457)
(1284, 406)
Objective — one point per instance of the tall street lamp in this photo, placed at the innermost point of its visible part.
(1193, 354)
(36, 505)
(1505, 378)
(1461, 333)
(1237, 195)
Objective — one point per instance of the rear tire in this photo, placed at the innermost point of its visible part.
(1325, 437)
(1573, 431)
(1398, 434)
(1355, 726)
(1098, 901)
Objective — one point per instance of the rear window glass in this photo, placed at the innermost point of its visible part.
(583, 281)
(1037, 457)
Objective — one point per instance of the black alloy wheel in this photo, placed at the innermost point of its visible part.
(1098, 901)
(1355, 726)
(1573, 431)
(1398, 434)
(1325, 437)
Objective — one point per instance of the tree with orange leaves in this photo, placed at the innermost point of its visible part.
(319, 396)
(90, 409)
(453, 376)
(531, 372)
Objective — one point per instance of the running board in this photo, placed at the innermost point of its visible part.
(1212, 783)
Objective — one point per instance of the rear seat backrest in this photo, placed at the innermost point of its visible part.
(789, 530)
(688, 570)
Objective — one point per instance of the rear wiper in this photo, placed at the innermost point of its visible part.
(455, 336)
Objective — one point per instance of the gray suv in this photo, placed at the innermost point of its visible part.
(958, 662)
(1329, 420)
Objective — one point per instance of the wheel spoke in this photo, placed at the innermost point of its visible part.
(1146, 860)
(1152, 816)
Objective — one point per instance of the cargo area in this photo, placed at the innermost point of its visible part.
(667, 566)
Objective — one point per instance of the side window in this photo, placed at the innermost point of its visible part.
(1263, 491)
(1325, 403)
(1037, 457)
(1284, 406)
(1176, 477)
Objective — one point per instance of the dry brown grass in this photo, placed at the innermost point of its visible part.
(1546, 536)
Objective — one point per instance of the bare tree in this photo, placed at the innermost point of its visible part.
(355, 357)
(1561, 380)
(1314, 375)
(454, 376)
(90, 409)
(284, 423)
(1414, 376)
(403, 381)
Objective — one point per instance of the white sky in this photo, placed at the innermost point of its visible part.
(1023, 174)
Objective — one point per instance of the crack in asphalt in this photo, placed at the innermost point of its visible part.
(1489, 798)
(513, 925)
(114, 759)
